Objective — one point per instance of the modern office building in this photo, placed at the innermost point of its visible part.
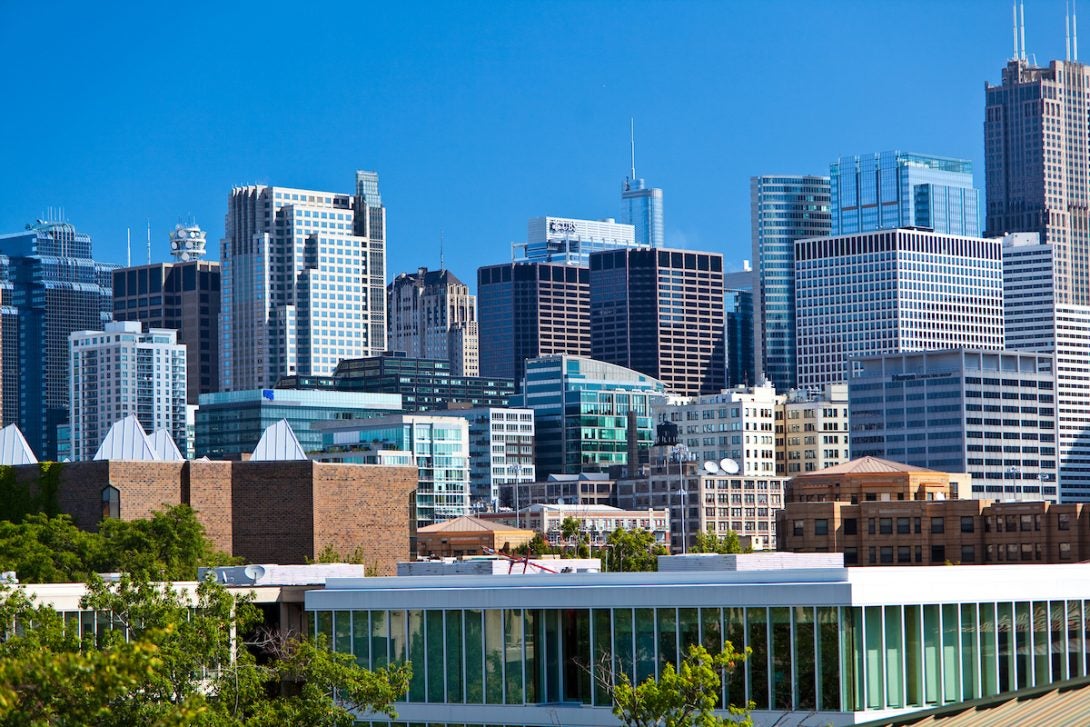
(304, 282)
(1035, 321)
(1036, 156)
(829, 645)
(895, 189)
(783, 209)
(124, 370)
(660, 312)
(438, 446)
(51, 286)
(433, 315)
(991, 414)
(581, 412)
(641, 207)
(527, 310)
(501, 450)
(893, 291)
(738, 338)
(230, 424)
(739, 424)
(813, 430)
(183, 295)
(569, 241)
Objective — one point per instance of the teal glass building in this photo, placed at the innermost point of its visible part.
(581, 411)
(894, 189)
(641, 207)
(830, 645)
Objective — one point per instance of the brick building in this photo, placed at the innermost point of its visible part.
(469, 536)
(265, 512)
(878, 512)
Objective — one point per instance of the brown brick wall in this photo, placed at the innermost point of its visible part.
(272, 511)
(365, 506)
(143, 486)
(206, 486)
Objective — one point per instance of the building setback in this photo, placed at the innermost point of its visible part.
(527, 310)
(121, 371)
(51, 286)
(184, 296)
(660, 312)
(893, 291)
(304, 282)
(782, 209)
(432, 315)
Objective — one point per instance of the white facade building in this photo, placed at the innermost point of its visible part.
(892, 291)
(123, 371)
(571, 241)
(304, 282)
(501, 449)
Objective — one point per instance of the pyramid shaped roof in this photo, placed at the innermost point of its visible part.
(165, 447)
(278, 443)
(466, 524)
(127, 440)
(869, 465)
(13, 447)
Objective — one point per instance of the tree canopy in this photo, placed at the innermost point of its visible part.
(709, 542)
(633, 550)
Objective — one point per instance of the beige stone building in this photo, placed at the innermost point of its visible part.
(469, 535)
(812, 429)
(433, 315)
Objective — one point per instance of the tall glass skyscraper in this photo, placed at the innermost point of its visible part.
(894, 189)
(51, 286)
(783, 209)
(641, 206)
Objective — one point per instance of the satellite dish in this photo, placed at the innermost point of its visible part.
(729, 466)
(254, 572)
(711, 468)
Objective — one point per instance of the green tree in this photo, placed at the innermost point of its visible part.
(709, 542)
(171, 658)
(42, 549)
(682, 697)
(570, 528)
(633, 550)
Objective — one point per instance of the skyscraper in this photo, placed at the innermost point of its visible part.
(528, 310)
(124, 370)
(184, 296)
(641, 207)
(897, 189)
(660, 312)
(51, 286)
(738, 339)
(570, 241)
(432, 315)
(782, 209)
(300, 274)
(893, 291)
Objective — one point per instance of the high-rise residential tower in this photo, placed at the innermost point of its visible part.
(182, 295)
(527, 310)
(660, 312)
(896, 189)
(51, 286)
(124, 370)
(641, 207)
(300, 274)
(432, 315)
(893, 291)
(782, 209)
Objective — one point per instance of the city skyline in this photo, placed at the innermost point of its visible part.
(490, 104)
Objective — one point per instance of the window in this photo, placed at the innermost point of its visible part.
(903, 526)
(938, 525)
(798, 529)
(885, 526)
(870, 526)
(1026, 523)
(821, 526)
(887, 553)
(111, 502)
(851, 556)
(967, 524)
(904, 555)
(916, 525)
(1065, 551)
(938, 553)
(968, 554)
(1064, 523)
(851, 526)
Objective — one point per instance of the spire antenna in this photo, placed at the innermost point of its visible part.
(1014, 26)
(1022, 28)
(442, 257)
(1067, 30)
(632, 144)
(128, 247)
(149, 241)
(1075, 30)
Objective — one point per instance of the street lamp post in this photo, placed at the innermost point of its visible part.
(680, 450)
(518, 479)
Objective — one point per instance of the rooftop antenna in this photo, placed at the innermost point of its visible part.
(128, 247)
(442, 258)
(1014, 26)
(149, 241)
(1067, 31)
(1022, 28)
(632, 144)
(1075, 30)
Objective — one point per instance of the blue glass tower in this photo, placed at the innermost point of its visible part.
(895, 189)
(641, 207)
(738, 306)
(783, 209)
(51, 287)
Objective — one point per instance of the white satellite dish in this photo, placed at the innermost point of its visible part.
(729, 466)
(711, 468)
(254, 572)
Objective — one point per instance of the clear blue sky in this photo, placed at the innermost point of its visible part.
(478, 116)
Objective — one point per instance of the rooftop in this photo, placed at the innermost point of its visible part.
(468, 524)
(866, 465)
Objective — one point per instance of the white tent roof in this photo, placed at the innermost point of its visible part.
(126, 440)
(165, 447)
(278, 443)
(13, 447)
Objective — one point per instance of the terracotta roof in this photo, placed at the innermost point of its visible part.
(866, 465)
(467, 524)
